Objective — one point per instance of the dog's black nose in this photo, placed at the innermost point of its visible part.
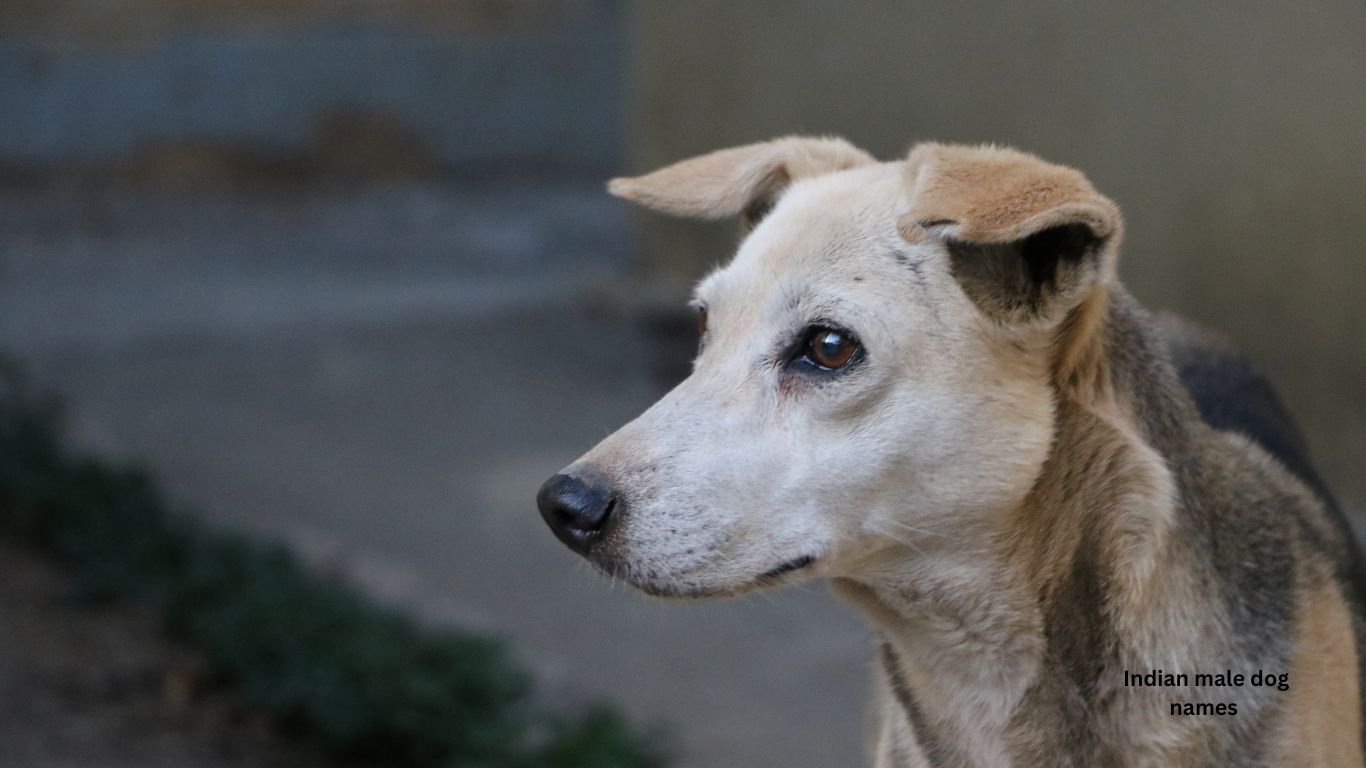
(576, 509)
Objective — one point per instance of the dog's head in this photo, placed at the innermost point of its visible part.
(877, 366)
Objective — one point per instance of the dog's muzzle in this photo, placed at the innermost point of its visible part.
(577, 509)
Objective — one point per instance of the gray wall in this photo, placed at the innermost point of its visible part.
(1233, 135)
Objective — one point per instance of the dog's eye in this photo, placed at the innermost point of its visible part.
(701, 321)
(830, 348)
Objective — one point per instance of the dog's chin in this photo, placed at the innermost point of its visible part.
(697, 587)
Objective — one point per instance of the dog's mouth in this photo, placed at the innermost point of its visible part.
(687, 591)
(796, 564)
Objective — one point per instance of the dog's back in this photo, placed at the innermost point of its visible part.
(1232, 396)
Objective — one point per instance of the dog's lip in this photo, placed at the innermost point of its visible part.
(771, 577)
(795, 564)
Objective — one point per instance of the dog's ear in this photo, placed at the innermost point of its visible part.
(742, 180)
(1028, 240)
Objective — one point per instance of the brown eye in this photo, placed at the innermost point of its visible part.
(830, 348)
(701, 322)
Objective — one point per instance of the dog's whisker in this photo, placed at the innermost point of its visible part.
(765, 595)
(923, 531)
(900, 540)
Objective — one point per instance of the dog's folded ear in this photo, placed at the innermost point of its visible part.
(742, 180)
(1028, 240)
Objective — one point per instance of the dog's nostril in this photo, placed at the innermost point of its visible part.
(577, 509)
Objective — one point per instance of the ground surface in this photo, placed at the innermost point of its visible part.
(383, 377)
(84, 687)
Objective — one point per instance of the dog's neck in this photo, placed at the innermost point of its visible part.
(989, 650)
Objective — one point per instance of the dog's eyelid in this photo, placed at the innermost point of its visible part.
(823, 322)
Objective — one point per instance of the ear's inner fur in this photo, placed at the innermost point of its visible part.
(764, 195)
(1017, 280)
(757, 210)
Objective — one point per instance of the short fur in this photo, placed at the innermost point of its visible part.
(1013, 482)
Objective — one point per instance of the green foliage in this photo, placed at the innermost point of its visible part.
(359, 681)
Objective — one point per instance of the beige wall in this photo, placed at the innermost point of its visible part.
(1232, 134)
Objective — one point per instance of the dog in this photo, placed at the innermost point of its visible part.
(1084, 535)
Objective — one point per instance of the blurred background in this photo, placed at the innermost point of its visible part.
(342, 273)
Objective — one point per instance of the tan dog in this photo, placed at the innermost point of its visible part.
(921, 380)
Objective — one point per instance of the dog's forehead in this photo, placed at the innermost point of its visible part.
(823, 228)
